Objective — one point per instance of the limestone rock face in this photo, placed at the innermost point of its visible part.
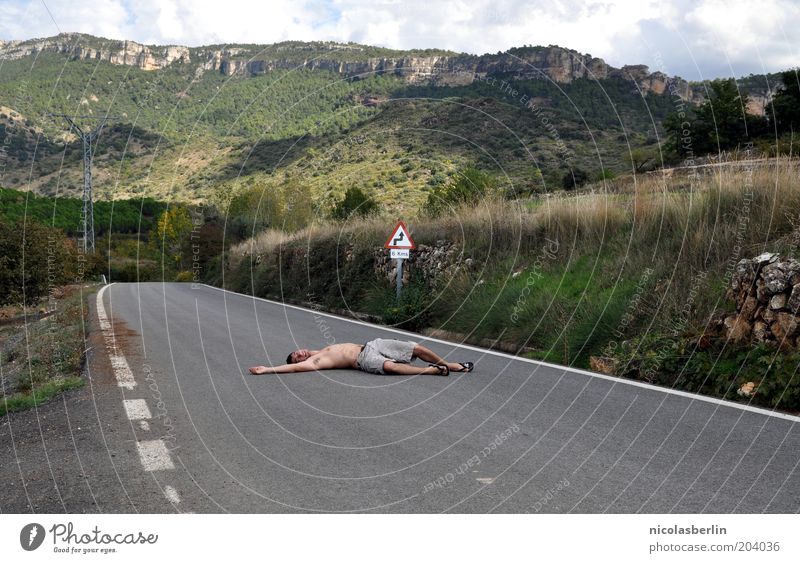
(542, 63)
(113, 51)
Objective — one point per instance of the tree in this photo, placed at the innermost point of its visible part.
(253, 210)
(641, 157)
(786, 104)
(32, 260)
(297, 211)
(355, 202)
(573, 178)
(469, 186)
(171, 232)
(719, 123)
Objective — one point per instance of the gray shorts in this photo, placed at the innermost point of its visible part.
(377, 351)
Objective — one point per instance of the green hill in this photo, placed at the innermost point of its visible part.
(210, 120)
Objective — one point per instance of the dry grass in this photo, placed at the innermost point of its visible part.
(698, 217)
(591, 216)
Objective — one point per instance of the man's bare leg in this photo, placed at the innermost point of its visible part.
(397, 368)
(428, 355)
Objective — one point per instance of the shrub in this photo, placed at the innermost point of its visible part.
(355, 202)
(33, 258)
(470, 186)
(573, 178)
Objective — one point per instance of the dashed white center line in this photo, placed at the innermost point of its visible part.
(137, 409)
(154, 455)
(485, 480)
(119, 364)
(172, 494)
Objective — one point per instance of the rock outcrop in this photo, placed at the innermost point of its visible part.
(112, 51)
(766, 290)
(542, 63)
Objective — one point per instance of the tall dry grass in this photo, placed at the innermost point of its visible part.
(699, 218)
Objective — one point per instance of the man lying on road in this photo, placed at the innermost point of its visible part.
(381, 355)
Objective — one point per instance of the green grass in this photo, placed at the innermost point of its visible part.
(46, 357)
(40, 395)
(589, 292)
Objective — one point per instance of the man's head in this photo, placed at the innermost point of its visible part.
(298, 356)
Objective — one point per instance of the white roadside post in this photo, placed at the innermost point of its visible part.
(400, 245)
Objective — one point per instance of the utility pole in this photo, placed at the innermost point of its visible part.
(89, 139)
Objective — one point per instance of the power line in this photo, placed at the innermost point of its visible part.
(89, 139)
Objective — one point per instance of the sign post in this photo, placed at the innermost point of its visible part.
(400, 245)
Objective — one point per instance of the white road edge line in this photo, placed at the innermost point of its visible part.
(566, 369)
(119, 364)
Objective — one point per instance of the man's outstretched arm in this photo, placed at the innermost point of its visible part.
(311, 364)
(285, 368)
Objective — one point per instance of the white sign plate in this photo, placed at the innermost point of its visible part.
(399, 253)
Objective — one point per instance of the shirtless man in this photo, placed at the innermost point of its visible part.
(384, 356)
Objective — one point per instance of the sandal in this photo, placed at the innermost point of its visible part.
(465, 367)
(443, 370)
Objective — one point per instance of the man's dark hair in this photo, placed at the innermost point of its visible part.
(289, 358)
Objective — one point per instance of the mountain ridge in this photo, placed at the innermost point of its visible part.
(437, 67)
(218, 119)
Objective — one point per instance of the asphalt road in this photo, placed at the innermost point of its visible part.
(513, 436)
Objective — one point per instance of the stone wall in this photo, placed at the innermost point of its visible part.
(435, 262)
(766, 290)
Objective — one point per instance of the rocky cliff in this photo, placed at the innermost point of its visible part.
(547, 63)
(83, 47)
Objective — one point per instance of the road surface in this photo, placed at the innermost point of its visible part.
(171, 421)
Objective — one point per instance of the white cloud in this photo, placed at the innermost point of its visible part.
(723, 37)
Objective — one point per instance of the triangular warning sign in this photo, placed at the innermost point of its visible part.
(400, 238)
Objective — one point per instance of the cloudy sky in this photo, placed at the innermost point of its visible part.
(691, 38)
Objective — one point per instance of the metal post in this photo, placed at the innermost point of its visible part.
(88, 205)
(88, 138)
(399, 277)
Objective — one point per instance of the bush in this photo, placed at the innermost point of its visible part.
(718, 371)
(355, 202)
(574, 178)
(185, 276)
(470, 186)
(33, 258)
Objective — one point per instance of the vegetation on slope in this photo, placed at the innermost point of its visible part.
(40, 359)
(625, 269)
